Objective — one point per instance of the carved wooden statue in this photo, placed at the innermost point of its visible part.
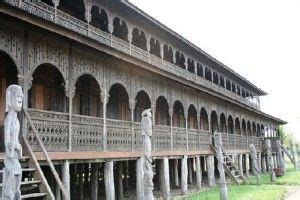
(12, 172)
(253, 155)
(280, 159)
(147, 165)
(218, 146)
(270, 160)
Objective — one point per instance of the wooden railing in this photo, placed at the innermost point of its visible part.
(87, 135)
(47, 12)
(45, 153)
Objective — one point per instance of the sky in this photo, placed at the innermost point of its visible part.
(259, 39)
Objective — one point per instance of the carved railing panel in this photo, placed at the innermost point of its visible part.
(161, 138)
(48, 13)
(193, 139)
(137, 137)
(179, 139)
(87, 133)
(52, 127)
(119, 137)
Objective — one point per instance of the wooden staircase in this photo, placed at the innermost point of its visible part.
(230, 167)
(30, 186)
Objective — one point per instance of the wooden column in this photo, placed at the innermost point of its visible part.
(198, 172)
(210, 170)
(270, 160)
(165, 178)
(132, 106)
(109, 180)
(184, 175)
(259, 162)
(247, 167)
(176, 176)
(120, 180)
(190, 173)
(139, 179)
(104, 99)
(66, 177)
(57, 192)
(81, 176)
(241, 163)
(95, 181)
(263, 164)
(171, 126)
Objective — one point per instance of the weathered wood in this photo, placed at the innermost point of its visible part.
(241, 163)
(66, 177)
(263, 164)
(210, 170)
(176, 175)
(255, 169)
(198, 172)
(247, 166)
(139, 179)
(279, 155)
(259, 162)
(289, 155)
(184, 175)
(109, 180)
(120, 180)
(165, 178)
(190, 170)
(270, 160)
(95, 181)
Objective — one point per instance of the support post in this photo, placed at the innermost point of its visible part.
(259, 162)
(270, 160)
(263, 164)
(139, 179)
(255, 170)
(109, 180)
(120, 180)
(95, 181)
(210, 170)
(198, 172)
(165, 178)
(184, 175)
(176, 176)
(190, 172)
(241, 164)
(247, 165)
(279, 155)
(66, 177)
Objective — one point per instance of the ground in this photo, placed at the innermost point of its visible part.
(286, 187)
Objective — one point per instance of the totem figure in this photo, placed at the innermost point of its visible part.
(253, 155)
(12, 172)
(270, 160)
(147, 161)
(280, 159)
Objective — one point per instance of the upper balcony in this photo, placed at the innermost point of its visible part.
(92, 21)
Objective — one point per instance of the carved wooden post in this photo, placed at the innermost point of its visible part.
(210, 170)
(109, 180)
(165, 178)
(95, 181)
(247, 167)
(255, 169)
(270, 160)
(263, 164)
(241, 164)
(184, 175)
(139, 179)
(259, 162)
(104, 99)
(66, 177)
(190, 171)
(120, 180)
(176, 178)
(171, 126)
(198, 172)
(294, 154)
(218, 146)
(132, 106)
(279, 155)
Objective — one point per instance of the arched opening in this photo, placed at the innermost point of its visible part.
(162, 116)
(180, 60)
(223, 127)
(238, 90)
(233, 89)
(168, 53)
(139, 39)
(120, 29)
(214, 121)
(199, 70)
(222, 83)
(192, 117)
(99, 18)
(48, 90)
(118, 104)
(87, 97)
(155, 47)
(204, 120)
(249, 131)
(8, 76)
(142, 102)
(228, 85)
(215, 78)
(230, 125)
(244, 128)
(237, 126)
(191, 65)
(254, 129)
(207, 74)
(75, 8)
(178, 115)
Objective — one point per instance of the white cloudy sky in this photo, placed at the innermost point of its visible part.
(260, 39)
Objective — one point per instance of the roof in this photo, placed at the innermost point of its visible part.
(134, 8)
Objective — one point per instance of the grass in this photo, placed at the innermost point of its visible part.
(250, 191)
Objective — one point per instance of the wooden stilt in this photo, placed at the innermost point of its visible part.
(109, 180)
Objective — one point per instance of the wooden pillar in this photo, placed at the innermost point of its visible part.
(95, 181)
(57, 192)
(81, 177)
(210, 170)
(139, 179)
(171, 126)
(270, 160)
(241, 164)
(120, 180)
(66, 177)
(109, 180)
(263, 164)
(190, 168)
(104, 99)
(275, 160)
(176, 176)
(184, 175)
(247, 165)
(198, 172)
(165, 177)
(259, 162)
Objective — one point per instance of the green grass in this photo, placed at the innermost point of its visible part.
(250, 191)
